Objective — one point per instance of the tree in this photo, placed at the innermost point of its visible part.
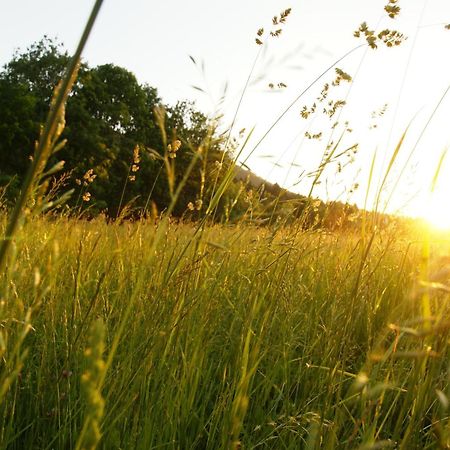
(18, 127)
(109, 115)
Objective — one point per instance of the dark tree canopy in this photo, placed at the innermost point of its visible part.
(108, 114)
(114, 155)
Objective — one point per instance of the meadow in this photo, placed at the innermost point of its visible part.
(151, 331)
(179, 336)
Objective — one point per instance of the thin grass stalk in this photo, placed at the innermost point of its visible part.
(426, 252)
(51, 125)
(135, 293)
(364, 212)
(413, 150)
(299, 96)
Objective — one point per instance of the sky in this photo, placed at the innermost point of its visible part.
(155, 41)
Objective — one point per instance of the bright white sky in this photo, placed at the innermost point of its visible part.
(154, 40)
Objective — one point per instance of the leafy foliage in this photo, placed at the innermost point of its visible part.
(125, 150)
(108, 115)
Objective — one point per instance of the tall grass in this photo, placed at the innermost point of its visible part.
(174, 335)
(269, 339)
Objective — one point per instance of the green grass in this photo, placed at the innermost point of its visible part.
(233, 336)
(193, 336)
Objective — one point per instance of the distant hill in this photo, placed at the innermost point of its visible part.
(278, 201)
(256, 182)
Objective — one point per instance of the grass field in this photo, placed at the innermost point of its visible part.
(171, 336)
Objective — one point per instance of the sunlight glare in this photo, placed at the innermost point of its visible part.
(437, 210)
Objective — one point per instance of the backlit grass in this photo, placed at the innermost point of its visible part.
(237, 336)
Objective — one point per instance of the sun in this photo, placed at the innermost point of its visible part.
(437, 209)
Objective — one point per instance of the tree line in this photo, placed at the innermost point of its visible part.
(119, 137)
(114, 142)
